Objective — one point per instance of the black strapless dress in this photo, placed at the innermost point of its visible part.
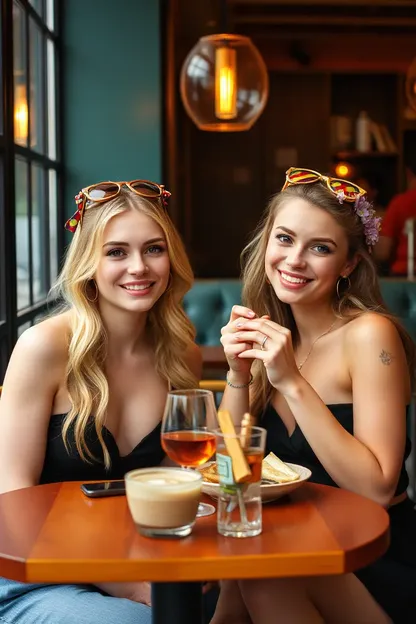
(59, 465)
(392, 578)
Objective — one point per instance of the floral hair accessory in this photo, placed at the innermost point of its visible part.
(372, 224)
(341, 196)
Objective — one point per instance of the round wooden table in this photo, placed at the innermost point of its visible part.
(53, 533)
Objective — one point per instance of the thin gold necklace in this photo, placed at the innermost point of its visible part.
(300, 366)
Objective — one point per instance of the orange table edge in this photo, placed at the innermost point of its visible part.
(53, 533)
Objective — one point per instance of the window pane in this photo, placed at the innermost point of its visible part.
(23, 328)
(50, 14)
(1, 88)
(36, 88)
(40, 317)
(51, 100)
(3, 359)
(53, 225)
(2, 248)
(40, 247)
(22, 235)
(37, 5)
(20, 77)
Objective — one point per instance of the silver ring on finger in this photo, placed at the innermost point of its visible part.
(263, 342)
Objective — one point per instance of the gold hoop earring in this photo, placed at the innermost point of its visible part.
(96, 292)
(343, 277)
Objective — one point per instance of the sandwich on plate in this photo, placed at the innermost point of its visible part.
(272, 470)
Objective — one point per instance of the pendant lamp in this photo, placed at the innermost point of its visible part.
(224, 83)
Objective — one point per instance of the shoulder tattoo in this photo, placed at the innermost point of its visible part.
(386, 357)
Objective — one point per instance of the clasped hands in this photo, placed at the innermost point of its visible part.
(246, 338)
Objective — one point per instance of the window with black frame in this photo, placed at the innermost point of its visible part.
(30, 165)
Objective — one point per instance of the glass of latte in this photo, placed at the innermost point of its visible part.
(163, 501)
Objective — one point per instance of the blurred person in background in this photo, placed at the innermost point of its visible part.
(391, 249)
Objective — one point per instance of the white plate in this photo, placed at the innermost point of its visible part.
(269, 491)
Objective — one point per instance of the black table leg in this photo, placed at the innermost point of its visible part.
(177, 603)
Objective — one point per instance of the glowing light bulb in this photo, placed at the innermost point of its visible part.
(342, 170)
(21, 115)
(225, 83)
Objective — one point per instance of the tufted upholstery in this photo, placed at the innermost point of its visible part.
(209, 302)
(400, 298)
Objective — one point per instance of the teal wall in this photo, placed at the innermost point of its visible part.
(112, 92)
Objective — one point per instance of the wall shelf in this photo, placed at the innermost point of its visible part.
(353, 154)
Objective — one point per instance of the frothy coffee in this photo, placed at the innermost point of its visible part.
(163, 497)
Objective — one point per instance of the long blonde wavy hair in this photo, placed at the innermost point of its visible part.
(169, 328)
(362, 295)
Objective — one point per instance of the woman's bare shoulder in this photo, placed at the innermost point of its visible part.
(373, 337)
(48, 340)
(39, 358)
(370, 326)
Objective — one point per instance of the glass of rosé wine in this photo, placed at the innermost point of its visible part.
(189, 420)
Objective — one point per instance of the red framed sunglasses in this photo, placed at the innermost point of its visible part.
(104, 191)
(343, 189)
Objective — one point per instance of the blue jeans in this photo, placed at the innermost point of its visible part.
(29, 603)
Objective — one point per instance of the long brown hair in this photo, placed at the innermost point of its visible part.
(362, 295)
(168, 326)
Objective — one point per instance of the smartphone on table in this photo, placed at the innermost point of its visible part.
(104, 488)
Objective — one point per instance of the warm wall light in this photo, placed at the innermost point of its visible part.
(224, 83)
(343, 170)
(21, 115)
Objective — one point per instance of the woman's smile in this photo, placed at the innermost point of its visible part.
(139, 288)
(292, 281)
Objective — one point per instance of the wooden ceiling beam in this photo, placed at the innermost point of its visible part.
(326, 20)
(331, 3)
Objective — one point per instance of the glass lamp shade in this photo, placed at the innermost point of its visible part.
(224, 83)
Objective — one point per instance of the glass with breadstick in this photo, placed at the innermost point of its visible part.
(239, 456)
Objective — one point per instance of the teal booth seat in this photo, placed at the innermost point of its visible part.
(208, 304)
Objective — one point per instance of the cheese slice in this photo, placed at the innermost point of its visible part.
(275, 470)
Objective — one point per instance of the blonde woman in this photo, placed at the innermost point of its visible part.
(84, 392)
(328, 372)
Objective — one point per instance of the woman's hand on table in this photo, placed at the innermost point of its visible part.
(272, 344)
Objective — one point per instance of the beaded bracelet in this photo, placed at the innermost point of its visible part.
(246, 385)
